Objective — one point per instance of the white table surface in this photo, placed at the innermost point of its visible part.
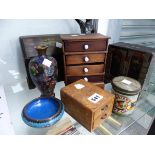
(6, 126)
(18, 95)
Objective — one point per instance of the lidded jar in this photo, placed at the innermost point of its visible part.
(43, 71)
(126, 91)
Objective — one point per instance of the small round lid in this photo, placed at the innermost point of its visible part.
(126, 85)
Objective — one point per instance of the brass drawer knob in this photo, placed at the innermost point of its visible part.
(86, 79)
(86, 59)
(86, 47)
(86, 70)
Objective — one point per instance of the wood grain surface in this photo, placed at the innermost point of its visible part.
(80, 70)
(80, 59)
(99, 45)
(83, 110)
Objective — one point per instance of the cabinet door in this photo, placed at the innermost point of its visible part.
(116, 63)
(138, 65)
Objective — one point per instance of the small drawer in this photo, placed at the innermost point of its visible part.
(85, 70)
(105, 109)
(85, 58)
(99, 120)
(79, 46)
(93, 78)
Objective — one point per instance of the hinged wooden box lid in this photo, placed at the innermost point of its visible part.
(87, 103)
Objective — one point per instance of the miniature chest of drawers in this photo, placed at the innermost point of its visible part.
(87, 103)
(84, 57)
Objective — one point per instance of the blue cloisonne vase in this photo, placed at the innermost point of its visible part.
(43, 71)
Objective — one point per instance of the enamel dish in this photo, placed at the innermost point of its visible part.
(43, 112)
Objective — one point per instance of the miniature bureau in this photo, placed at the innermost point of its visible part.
(84, 57)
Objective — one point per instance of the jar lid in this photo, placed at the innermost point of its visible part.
(126, 85)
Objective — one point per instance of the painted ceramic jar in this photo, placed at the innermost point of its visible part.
(43, 71)
(126, 91)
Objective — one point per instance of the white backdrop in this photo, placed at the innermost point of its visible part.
(11, 60)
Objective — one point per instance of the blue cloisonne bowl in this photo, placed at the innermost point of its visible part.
(43, 112)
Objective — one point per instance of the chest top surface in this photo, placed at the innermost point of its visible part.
(77, 37)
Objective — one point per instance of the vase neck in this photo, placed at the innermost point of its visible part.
(41, 49)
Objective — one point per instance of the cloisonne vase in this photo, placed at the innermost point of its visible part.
(43, 71)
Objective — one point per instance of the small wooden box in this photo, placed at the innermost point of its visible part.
(87, 103)
(132, 60)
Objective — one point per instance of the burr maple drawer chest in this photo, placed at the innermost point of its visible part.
(87, 103)
(84, 57)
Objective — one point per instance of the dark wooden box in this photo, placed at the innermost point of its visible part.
(130, 60)
(27, 45)
(89, 105)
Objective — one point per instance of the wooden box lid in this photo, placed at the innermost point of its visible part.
(134, 47)
(87, 94)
